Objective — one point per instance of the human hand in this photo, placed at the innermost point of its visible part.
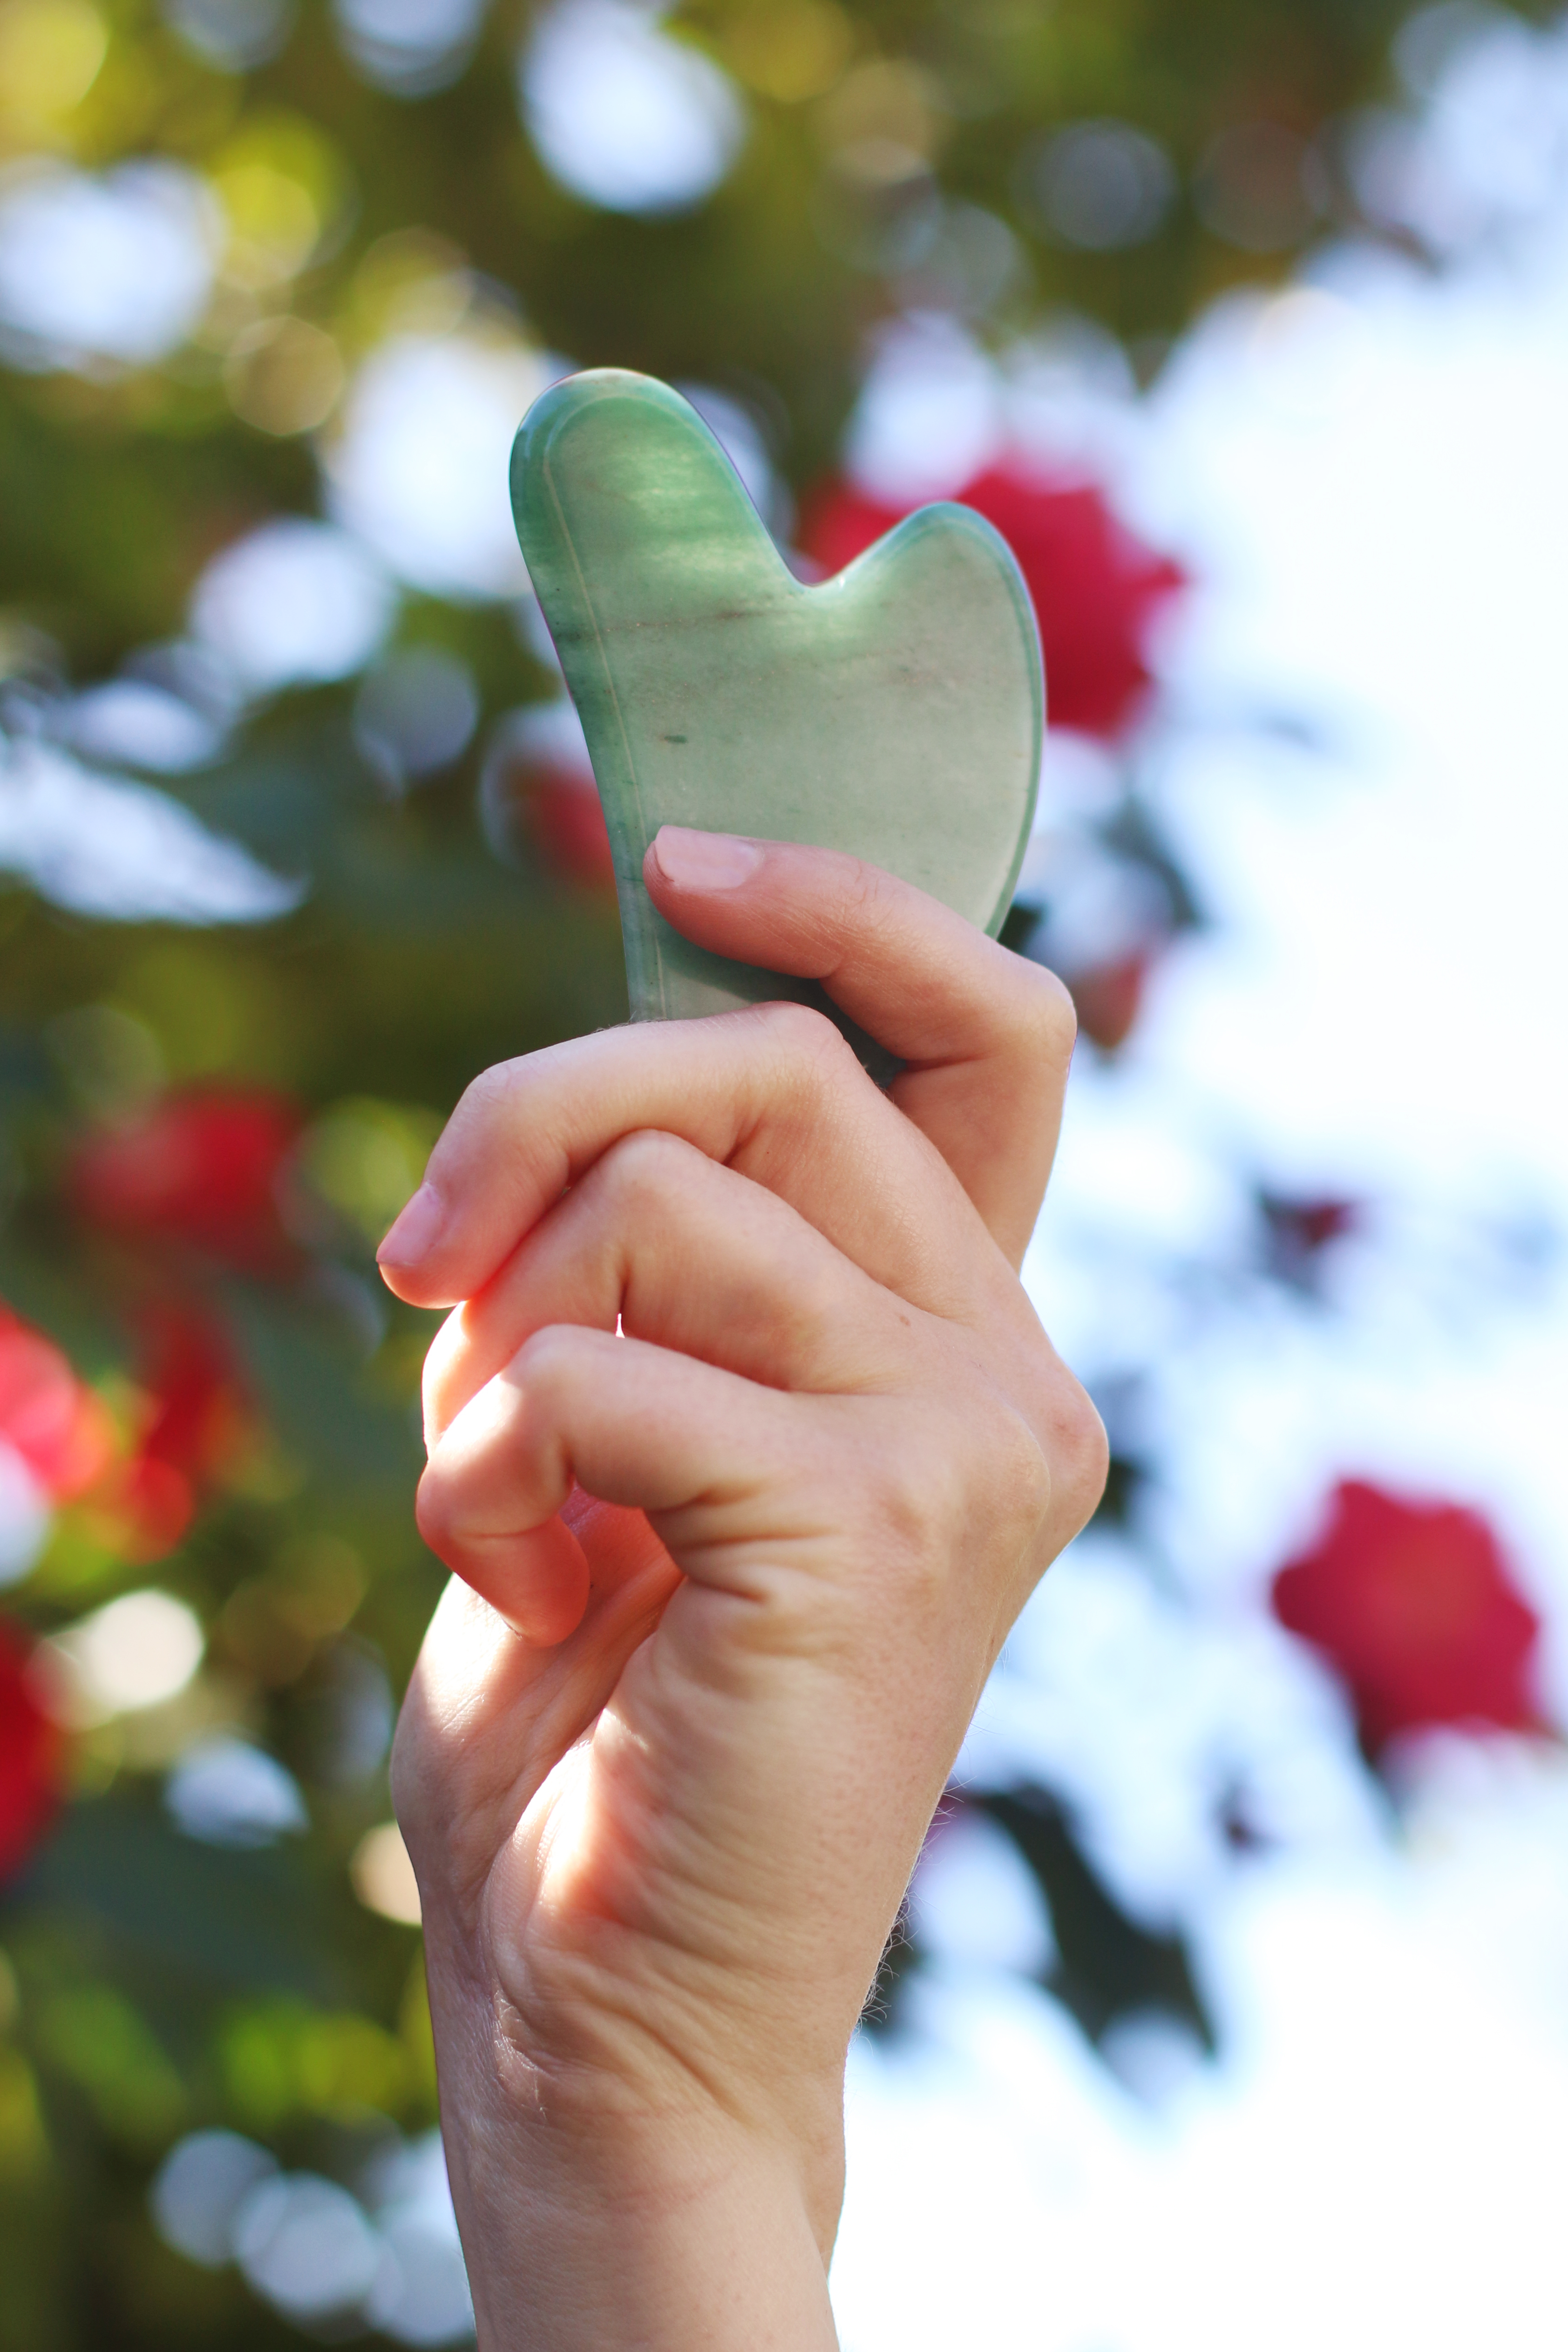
(730, 1583)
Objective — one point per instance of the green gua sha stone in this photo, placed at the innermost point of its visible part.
(896, 711)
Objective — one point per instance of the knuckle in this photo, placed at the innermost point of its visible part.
(561, 1373)
(1045, 1017)
(1080, 1453)
(1020, 1478)
(867, 897)
(437, 1512)
(484, 1100)
(915, 1500)
(487, 1094)
(644, 1169)
(444, 1361)
(799, 1029)
(550, 1364)
(813, 1050)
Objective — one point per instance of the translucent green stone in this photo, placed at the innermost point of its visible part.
(896, 711)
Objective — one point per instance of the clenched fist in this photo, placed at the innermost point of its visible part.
(745, 1450)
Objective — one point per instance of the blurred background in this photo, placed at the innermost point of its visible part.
(1231, 2002)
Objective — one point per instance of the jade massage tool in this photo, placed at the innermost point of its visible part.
(896, 711)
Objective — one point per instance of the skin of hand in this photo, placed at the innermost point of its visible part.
(745, 1447)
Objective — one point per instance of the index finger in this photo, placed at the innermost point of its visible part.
(985, 1038)
(775, 1090)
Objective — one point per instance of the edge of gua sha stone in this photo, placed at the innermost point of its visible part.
(717, 689)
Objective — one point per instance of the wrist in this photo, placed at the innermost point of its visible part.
(630, 2203)
(691, 2236)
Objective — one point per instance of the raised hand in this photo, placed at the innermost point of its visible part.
(747, 1447)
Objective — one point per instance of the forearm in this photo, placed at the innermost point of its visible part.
(597, 2229)
(559, 2263)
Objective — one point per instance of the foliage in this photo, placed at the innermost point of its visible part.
(206, 1126)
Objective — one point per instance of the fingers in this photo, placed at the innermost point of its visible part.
(487, 1715)
(632, 1424)
(932, 1503)
(527, 1563)
(988, 1036)
(690, 1256)
(773, 1091)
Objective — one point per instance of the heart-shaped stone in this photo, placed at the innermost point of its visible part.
(896, 711)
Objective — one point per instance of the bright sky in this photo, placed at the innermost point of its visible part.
(1370, 476)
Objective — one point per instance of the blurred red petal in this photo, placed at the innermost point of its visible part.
(1414, 1604)
(194, 1410)
(200, 1169)
(60, 1427)
(31, 1756)
(1095, 587)
(147, 1509)
(566, 819)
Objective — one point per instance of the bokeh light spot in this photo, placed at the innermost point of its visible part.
(623, 115)
(224, 1791)
(50, 52)
(307, 2246)
(1100, 187)
(284, 192)
(283, 376)
(117, 269)
(232, 34)
(415, 713)
(409, 46)
(135, 1652)
(418, 468)
(294, 602)
(365, 1158)
(199, 2188)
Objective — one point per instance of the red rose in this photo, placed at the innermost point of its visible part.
(1414, 1605)
(1094, 585)
(538, 799)
(61, 1430)
(202, 1169)
(192, 1421)
(566, 820)
(30, 1756)
(194, 1409)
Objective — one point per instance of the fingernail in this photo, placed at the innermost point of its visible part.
(703, 861)
(413, 1231)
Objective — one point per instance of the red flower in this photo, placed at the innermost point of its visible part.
(200, 1169)
(1094, 585)
(566, 820)
(1414, 1605)
(61, 1430)
(192, 1422)
(194, 1409)
(539, 800)
(30, 1757)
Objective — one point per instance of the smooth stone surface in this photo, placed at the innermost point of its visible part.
(896, 711)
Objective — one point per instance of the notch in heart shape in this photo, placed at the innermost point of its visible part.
(896, 711)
